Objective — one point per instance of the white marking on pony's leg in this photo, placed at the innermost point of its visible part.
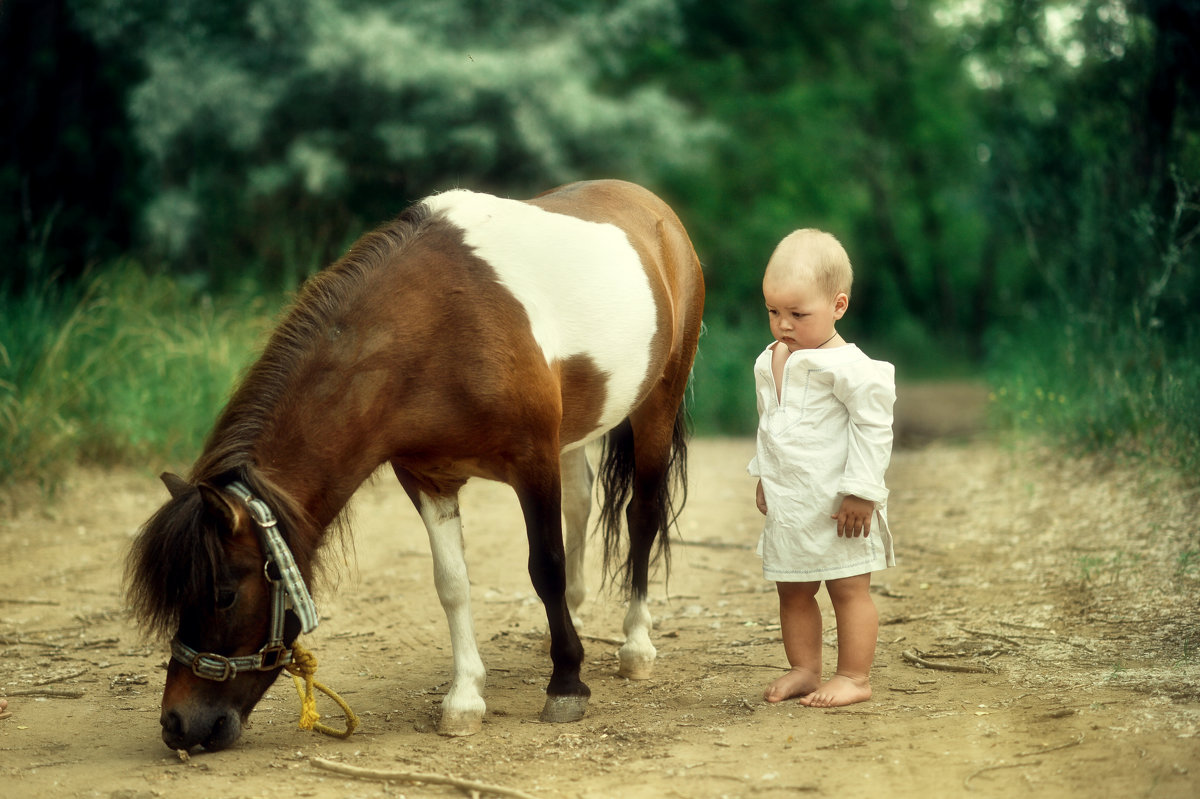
(463, 707)
(576, 506)
(637, 654)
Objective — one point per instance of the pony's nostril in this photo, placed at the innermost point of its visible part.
(172, 728)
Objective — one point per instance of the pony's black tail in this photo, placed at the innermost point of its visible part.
(617, 473)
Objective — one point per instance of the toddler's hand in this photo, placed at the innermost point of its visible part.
(854, 517)
(761, 499)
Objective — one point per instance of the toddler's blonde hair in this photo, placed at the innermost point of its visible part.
(812, 254)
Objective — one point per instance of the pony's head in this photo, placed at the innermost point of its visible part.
(200, 571)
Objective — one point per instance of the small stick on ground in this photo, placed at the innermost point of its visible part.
(985, 634)
(61, 677)
(600, 640)
(919, 616)
(411, 776)
(913, 657)
(1067, 745)
(57, 693)
(967, 781)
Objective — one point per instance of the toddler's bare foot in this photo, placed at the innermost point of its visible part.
(4, 713)
(839, 691)
(797, 682)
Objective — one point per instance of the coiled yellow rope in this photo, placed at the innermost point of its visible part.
(302, 668)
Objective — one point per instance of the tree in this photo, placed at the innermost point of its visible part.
(275, 130)
(68, 177)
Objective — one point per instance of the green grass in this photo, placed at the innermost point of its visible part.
(1120, 392)
(130, 368)
(123, 368)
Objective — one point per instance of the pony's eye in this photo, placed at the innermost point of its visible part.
(225, 598)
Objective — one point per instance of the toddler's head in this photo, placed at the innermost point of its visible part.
(807, 289)
(811, 255)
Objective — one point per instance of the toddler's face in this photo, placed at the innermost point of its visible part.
(802, 317)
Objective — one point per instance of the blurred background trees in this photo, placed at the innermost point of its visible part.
(1018, 183)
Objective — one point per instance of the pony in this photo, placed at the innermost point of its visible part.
(472, 336)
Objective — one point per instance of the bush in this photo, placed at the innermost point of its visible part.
(123, 368)
(1125, 391)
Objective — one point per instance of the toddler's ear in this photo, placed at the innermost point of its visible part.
(840, 303)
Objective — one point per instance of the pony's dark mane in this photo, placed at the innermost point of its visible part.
(177, 556)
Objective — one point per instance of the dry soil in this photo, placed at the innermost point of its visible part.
(1056, 599)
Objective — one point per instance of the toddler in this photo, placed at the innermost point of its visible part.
(824, 443)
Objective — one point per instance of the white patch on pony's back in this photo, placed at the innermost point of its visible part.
(582, 284)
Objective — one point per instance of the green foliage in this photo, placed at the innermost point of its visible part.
(1016, 183)
(1118, 392)
(122, 368)
(1100, 177)
(277, 131)
(69, 181)
(723, 400)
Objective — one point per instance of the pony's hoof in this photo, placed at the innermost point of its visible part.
(560, 709)
(458, 725)
(635, 667)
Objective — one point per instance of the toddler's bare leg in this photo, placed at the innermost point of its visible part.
(857, 631)
(800, 625)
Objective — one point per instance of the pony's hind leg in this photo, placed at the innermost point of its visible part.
(463, 707)
(659, 468)
(577, 476)
(637, 654)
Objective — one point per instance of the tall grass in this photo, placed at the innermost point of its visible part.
(122, 368)
(1125, 392)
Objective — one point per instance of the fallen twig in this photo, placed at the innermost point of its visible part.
(1067, 745)
(967, 781)
(986, 634)
(61, 677)
(413, 776)
(920, 616)
(913, 657)
(58, 693)
(11, 601)
(714, 544)
(23, 642)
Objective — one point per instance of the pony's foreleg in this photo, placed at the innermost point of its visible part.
(577, 476)
(463, 707)
(541, 504)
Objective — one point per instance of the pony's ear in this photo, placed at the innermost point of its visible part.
(235, 515)
(176, 484)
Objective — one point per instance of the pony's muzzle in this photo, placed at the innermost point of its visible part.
(213, 730)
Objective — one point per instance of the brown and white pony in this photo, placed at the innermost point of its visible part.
(473, 336)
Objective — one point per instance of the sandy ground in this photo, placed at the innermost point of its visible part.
(1066, 589)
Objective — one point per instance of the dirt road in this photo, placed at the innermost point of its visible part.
(1066, 589)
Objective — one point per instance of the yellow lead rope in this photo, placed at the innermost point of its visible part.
(302, 668)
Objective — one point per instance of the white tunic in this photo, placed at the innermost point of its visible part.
(825, 434)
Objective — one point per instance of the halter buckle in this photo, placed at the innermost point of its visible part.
(273, 657)
(228, 669)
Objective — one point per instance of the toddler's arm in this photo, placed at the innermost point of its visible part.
(761, 499)
(854, 517)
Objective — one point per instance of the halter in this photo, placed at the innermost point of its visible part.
(288, 591)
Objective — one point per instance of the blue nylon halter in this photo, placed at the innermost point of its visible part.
(288, 591)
